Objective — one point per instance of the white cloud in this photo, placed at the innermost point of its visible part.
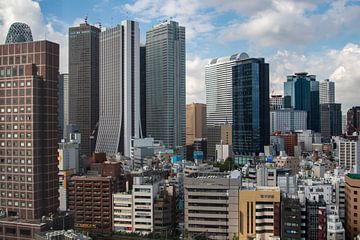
(195, 79)
(29, 12)
(341, 66)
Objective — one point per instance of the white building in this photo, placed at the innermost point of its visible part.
(122, 212)
(327, 91)
(335, 229)
(349, 154)
(307, 138)
(313, 190)
(222, 152)
(287, 119)
(276, 102)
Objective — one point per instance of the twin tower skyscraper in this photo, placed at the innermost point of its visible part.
(125, 90)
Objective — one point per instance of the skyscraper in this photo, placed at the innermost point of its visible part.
(251, 113)
(28, 129)
(84, 83)
(353, 120)
(330, 120)
(218, 81)
(19, 32)
(119, 88)
(63, 104)
(327, 91)
(143, 89)
(301, 92)
(195, 122)
(165, 83)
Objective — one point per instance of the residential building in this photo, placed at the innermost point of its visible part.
(219, 85)
(123, 212)
(276, 102)
(287, 120)
(217, 134)
(301, 92)
(353, 120)
(165, 83)
(259, 212)
(28, 129)
(119, 89)
(335, 229)
(251, 123)
(331, 118)
(212, 204)
(352, 206)
(222, 152)
(349, 155)
(266, 175)
(316, 219)
(327, 91)
(83, 86)
(195, 122)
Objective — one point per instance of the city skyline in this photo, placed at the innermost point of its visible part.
(211, 32)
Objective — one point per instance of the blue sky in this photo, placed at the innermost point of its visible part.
(317, 36)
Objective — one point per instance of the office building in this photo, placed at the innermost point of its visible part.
(212, 204)
(330, 114)
(84, 83)
(28, 129)
(316, 219)
(301, 92)
(352, 206)
(195, 122)
(63, 105)
(119, 89)
(18, 33)
(259, 212)
(353, 120)
(327, 91)
(165, 83)
(251, 123)
(307, 138)
(290, 218)
(349, 155)
(276, 102)
(217, 134)
(143, 89)
(287, 120)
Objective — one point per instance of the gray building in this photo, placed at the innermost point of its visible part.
(63, 104)
(84, 82)
(165, 83)
(331, 120)
(119, 88)
(327, 91)
(212, 204)
(143, 89)
(287, 119)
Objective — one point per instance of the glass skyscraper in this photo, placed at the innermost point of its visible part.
(301, 92)
(165, 83)
(251, 113)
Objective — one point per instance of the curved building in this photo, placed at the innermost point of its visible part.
(19, 32)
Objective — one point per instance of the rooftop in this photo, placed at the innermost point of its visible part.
(354, 176)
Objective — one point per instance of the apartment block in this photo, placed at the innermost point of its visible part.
(352, 206)
(349, 155)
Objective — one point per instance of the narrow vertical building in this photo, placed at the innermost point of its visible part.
(251, 113)
(84, 83)
(165, 83)
(28, 130)
(143, 90)
(119, 89)
(195, 122)
(63, 104)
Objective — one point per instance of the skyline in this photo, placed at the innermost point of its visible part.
(325, 42)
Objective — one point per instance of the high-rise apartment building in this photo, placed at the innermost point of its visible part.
(63, 104)
(195, 122)
(353, 120)
(327, 91)
(331, 118)
(287, 120)
(165, 83)
(259, 213)
(28, 129)
(301, 92)
(119, 89)
(84, 83)
(349, 155)
(352, 205)
(276, 102)
(250, 100)
(219, 85)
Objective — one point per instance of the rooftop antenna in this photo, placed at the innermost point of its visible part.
(99, 23)
(86, 19)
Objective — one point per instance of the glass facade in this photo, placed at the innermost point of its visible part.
(19, 32)
(251, 116)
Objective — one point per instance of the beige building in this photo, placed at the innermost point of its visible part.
(259, 213)
(195, 122)
(352, 205)
(218, 134)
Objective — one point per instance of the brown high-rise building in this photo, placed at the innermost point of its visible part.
(195, 122)
(28, 129)
(352, 205)
(84, 84)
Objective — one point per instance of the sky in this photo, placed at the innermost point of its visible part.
(321, 37)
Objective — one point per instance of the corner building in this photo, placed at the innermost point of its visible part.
(28, 129)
